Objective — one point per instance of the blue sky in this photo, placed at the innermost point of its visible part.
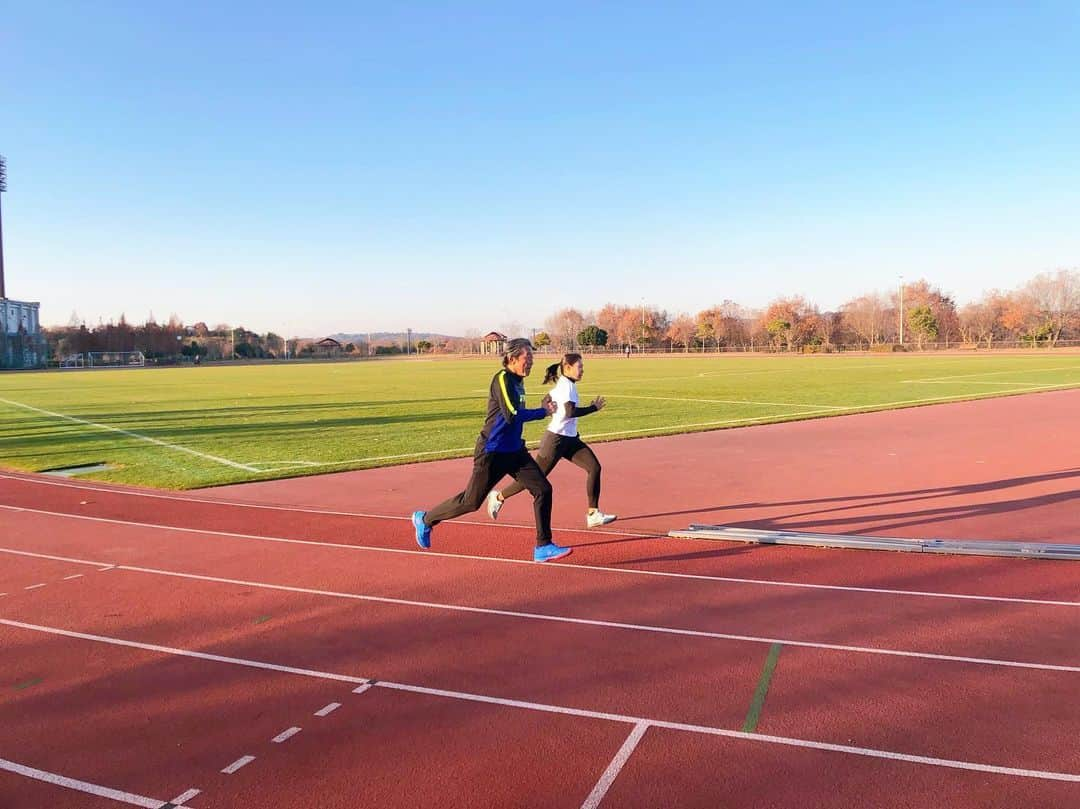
(452, 166)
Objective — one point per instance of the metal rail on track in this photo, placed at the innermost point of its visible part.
(1027, 550)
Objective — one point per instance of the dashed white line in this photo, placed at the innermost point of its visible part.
(285, 735)
(360, 689)
(243, 761)
(179, 800)
(329, 709)
(567, 711)
(615, 767)
(81, 786)
(33, 586)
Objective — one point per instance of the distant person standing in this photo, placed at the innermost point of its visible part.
(500, 450)
(561, 440)
(628, 351)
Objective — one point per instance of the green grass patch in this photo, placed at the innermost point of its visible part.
(190, 427)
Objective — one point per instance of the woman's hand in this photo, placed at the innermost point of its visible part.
(599, 402)
(548, 405)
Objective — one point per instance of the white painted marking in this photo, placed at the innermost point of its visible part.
(559, 709)
(76, 576)
(33, 586)
(592, 622)
(285, 735)
(146, 438)
(533, 565)
(615, 767)
(236, 661)
(997, 373)
(329, 709)
(107, 567)
(243, 761)
(184, 798)
(725, 401)
(81, 786)
(360, 689)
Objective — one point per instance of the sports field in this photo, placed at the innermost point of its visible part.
(193, 427)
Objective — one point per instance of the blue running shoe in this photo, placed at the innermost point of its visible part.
(423, 532)
(550, 552)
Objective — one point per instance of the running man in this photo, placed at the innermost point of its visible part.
(500, 450)
(561, 440)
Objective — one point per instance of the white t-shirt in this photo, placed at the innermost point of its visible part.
(564, 391)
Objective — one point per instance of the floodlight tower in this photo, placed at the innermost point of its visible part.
(3, 188)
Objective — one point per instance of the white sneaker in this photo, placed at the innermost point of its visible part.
(493, 504)
(598, 518)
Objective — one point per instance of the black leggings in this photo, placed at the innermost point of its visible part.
(553, 448)
(488, 469)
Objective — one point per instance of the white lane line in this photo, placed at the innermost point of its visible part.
(360, 689)
(236, 661)
(615, 767)
(76, 576)
(567, 711)
(81, 786)
(33, 586)
(329, 709)
(146, 438)
(236, 765)
(592, 622)
(300, 510)
(184, 798)
(547, 566)
(285, 735)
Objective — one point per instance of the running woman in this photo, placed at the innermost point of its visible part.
(500, 450)
(561, 440)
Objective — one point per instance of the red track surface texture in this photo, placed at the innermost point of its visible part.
(250, 644)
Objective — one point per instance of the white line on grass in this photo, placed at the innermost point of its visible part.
(615, 767)
(592, 622)
(629, 571)
(147, 438)
(724, 401)
(587, 714)
(81, 786)
(996, 373)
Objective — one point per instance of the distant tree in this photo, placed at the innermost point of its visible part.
(424, 346)
(592, 336)
(541, 340)
(681, 332)
(923, 324)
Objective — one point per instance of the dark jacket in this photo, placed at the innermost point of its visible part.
(506, 414)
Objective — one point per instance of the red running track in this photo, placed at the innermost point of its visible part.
(956, 681)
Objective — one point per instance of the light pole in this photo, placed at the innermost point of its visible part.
(901, 310)
(642, 325)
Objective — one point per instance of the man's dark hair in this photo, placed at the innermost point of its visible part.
(515, 348)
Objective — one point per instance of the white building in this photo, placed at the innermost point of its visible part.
(21, 342)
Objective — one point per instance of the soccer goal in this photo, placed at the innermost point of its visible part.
(115, 359)
(73, 361)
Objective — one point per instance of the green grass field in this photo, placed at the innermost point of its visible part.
(192, 427)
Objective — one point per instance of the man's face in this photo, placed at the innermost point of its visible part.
(522, 363)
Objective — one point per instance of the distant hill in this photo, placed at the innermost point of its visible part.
(392, 336)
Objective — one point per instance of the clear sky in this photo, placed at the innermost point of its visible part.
(322, 167)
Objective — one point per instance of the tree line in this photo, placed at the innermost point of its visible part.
(1043, 311)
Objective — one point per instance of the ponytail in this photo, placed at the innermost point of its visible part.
(554, 371)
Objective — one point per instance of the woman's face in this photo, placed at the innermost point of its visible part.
(575, 371)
